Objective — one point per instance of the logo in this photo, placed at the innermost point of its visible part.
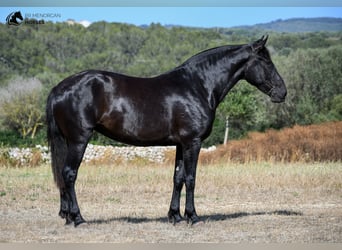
(15, 18)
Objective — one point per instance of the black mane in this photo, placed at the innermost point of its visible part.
(217, 52)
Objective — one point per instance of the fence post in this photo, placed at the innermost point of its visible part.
(226, 132)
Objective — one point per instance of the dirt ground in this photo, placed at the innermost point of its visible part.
(264, 203)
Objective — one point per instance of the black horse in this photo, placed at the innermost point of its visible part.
(174, 108)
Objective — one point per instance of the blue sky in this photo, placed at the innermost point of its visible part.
(186, 16)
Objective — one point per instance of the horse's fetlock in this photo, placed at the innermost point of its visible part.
(174, 216)
(74, 211)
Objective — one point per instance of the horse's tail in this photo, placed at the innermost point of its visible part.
(57, 143)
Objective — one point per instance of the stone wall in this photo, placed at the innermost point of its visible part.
(93, 154)
(23, 156)
(152, 154)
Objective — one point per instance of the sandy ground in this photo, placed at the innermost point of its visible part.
(298, 203)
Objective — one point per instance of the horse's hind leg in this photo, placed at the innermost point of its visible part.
(69, 206)
(64, 211)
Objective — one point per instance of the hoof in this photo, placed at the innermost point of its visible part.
(73, 220)
(79, 221)
(68, 222)
(67, 217)
(193, 219)
(175, 217)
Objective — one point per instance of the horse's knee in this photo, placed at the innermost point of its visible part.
(190, 182)
(178, 181)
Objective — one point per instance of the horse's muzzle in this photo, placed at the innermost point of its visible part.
(278, 95)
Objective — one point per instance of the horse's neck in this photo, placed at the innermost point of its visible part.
(219, 73)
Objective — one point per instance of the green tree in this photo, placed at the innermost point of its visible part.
(336, 108)
(240, 106)
(313, 77)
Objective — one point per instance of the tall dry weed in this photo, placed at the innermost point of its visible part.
(314, 143)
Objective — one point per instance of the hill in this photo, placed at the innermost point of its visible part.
(299, 25)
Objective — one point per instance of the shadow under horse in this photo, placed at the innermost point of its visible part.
(211, 217)
(175, 108)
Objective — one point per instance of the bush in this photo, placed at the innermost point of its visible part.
(14, 139)
(314, 143)
(20, 106)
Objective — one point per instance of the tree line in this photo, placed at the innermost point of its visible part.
(34, 58)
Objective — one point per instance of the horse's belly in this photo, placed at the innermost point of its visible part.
(136, 130)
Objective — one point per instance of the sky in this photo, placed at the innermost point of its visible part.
(186, 16)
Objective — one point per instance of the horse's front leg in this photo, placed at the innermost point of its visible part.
(178, 182)
(190, 154)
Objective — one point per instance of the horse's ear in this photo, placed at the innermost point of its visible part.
(260, 44)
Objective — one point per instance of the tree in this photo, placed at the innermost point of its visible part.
(241, 106)
(20, 106)
(336, 108)
(313, 78)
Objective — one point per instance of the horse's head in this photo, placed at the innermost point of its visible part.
(18, 15)
(261, 72)
(12, 18)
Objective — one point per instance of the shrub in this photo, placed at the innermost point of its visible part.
(313, 143)
(20, 106)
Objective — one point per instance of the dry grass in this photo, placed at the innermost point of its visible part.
(314, 143)
(261, 202)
